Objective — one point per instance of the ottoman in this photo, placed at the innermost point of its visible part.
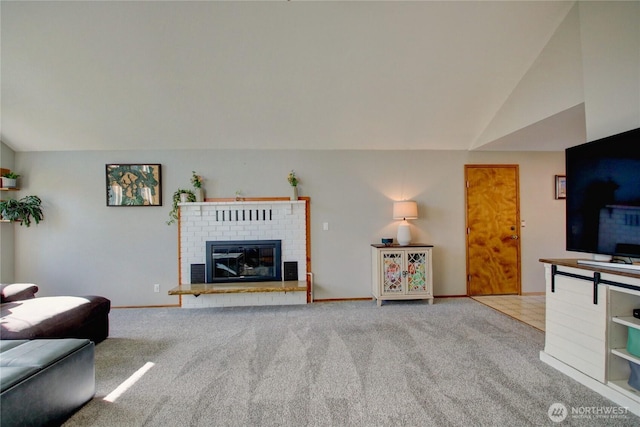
(43, 382)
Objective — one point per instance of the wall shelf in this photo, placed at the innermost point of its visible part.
(622, 352)
(627, 321)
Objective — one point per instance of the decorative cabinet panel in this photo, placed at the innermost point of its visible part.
(576, 328)
(402, 272)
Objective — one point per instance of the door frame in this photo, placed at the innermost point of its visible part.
(518, 222)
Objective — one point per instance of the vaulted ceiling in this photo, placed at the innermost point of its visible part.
(280, 75)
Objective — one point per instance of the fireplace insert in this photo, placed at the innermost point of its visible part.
(243, 261)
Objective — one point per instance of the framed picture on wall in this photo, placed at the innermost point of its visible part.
(137, 184)
(561, 187)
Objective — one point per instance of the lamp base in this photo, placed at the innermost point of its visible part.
(404, 234)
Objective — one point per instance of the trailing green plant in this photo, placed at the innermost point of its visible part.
(24, 211)
(11, 175)
(173, 215)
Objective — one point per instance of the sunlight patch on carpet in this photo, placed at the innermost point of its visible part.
(118, 391)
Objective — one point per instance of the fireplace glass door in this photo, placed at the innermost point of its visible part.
(243, 261)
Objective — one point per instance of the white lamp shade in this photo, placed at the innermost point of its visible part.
(406, 209)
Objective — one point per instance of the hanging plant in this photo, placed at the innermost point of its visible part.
(191, 197)
(24, 211)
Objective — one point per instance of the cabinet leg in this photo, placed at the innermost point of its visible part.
(431, 301)
(379, 302)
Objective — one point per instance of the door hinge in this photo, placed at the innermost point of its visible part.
(468, 230)
(468, 278)
(467, 184)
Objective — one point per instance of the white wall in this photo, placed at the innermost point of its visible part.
(610, 37)
(557, 71)
(84, 247)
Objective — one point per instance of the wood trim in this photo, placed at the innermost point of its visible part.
(308, 225)
(318, 300)
(179, 258)
(373, 299)
(147, 306)
(519, 228)
(249, 199)
(307, 201)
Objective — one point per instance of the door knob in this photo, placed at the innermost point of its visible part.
(514, 237)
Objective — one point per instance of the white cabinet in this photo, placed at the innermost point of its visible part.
(589, 311)
(401, 272)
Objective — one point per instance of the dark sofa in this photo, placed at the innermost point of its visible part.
(23, 316)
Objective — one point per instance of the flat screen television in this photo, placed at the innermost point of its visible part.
(603, 196)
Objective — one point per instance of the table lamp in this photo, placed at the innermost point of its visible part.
(404, 210)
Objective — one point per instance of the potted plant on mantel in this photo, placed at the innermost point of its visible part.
(9, 180)
(293, 181)
(197, 180)
(180, 196)
(25, 210)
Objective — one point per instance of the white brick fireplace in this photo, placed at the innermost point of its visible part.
(242, 220)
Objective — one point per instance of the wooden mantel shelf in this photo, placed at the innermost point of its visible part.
(198, 289)
(253, 199)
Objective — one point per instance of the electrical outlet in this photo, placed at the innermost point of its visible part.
(156, 288)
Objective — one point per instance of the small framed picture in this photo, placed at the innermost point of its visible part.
(134, 184)
(561, 187)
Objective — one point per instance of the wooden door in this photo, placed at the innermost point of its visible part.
(493, 229)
